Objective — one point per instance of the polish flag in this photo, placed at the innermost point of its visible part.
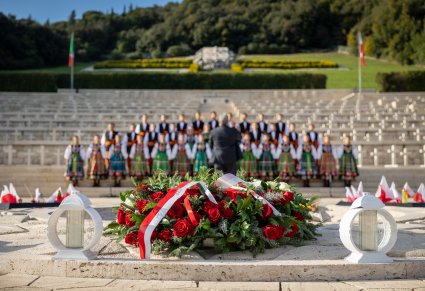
(349, 195)
(396, 194)
(38, 196)
(420, 194)
(384, 192)
(69, 190)
(6, 196)
(361, 49)
(360, 192)
(56, 196)
(12, 191)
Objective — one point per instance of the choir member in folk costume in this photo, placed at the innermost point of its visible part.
(143, 127)
(163, 127)
(248, 163)
(244, 125)
(161, 155)
(129, 140)
(206, 133)
(198, 124)
(139, 155)
(191, 140)
(274, 135)
(74, 157)
(213, 123)
(150, 140)
(262, 125)
(181, 154)
(348, 155)
(171, 138)
(281, 127)
(108, 139)
(201, 154)
(327, 154)
(255, 134)
(117, 157)
(96, 154)
(181, 125)
(294, 137)
(315, 139)
(285, 155)
(307, 156)
(266, 162)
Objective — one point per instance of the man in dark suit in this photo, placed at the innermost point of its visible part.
(224, 143)
(244, 126)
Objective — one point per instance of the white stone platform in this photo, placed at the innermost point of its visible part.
(24, 249)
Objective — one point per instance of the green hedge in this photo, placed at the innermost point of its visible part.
(285, 64)
(401, 81)
(51, 82)
(144, 64)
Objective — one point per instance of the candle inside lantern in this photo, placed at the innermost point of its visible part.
(368, 221)
(75, 229)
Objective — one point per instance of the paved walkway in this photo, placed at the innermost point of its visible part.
(30, 282)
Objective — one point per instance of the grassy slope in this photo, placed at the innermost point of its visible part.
(346, 77)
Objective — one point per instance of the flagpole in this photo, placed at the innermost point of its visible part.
(72, 76)
(360, 74)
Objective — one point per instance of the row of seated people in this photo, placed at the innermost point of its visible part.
(181, 148)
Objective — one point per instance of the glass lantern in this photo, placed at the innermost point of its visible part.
(74, 213)
(368, 231)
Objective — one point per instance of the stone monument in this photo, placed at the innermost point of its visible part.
(209, 58)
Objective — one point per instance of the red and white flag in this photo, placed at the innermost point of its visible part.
(349, 195)
(384, 192)
(396, 194)
(420, 194)
(408, 190)
(361, 49)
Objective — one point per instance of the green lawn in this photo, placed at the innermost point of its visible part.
(347, 76)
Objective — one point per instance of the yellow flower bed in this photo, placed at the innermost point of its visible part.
(285, 64)
(144, 64)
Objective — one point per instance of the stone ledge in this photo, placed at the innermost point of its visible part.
(226, 271)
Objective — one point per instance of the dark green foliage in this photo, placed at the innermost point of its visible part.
(41, 82)
(401, 81)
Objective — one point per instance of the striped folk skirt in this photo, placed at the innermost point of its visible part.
(286, 165)
(248, 164)
(97, 167)
(181, 164)
(161, 162)
(117, 165)
(139, 166)
(201, 160)
(266, 163)
(327, 165)
(75, 168)
(348, 165)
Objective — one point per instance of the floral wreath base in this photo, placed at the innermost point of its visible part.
(168, 216)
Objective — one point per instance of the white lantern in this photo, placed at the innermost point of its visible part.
(368, 231)
(75, 207)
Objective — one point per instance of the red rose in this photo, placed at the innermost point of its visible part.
(140, 204)
(165, 235)
(157, 196)
(289, 196)
(273, 232)
(214, 215)
(194, 191)
(154, 235)
(293, 232)
(267, 211)
(208, 205)
(298, 216)
(176, 211)
(226, 212)
(131, 238)
(128, 221)
(121, 216)
(233, 193)
(183, 228)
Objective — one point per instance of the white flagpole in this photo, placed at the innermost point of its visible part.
(359, 43)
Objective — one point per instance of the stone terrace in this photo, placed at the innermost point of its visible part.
(387, 128)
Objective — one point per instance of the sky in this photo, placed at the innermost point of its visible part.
(58, 10)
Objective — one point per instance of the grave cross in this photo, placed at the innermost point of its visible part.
(374, 154)
(9, 151)
(393, 157)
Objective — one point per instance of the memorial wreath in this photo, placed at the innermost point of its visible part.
(166, 215)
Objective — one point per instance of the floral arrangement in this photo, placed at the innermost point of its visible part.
(246, 216)
(286, 64)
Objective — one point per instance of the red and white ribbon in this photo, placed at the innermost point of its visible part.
(152, 220)
(230, 181)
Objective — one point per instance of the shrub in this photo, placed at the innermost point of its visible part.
(179, 51)
(285, 64)
(401, 81)
(43, 82)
